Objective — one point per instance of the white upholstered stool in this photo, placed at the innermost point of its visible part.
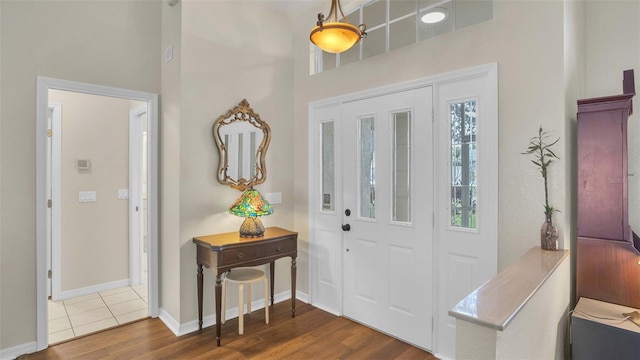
(242, 276)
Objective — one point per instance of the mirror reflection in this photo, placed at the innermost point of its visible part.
(242, 139)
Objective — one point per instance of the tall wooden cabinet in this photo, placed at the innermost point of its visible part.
(603, 193)
(608, 251)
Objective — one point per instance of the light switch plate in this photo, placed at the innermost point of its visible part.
(168, 54)
(86, 196)
(274, 198)
(123, 194)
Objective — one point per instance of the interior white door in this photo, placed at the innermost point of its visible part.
(467, 195)
(53, 112)
(54, 179)
(137, 194)
(387, 214)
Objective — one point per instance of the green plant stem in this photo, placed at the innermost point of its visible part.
(544, 176)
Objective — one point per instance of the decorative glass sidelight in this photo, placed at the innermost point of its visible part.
(401, 207)
(463, 164)
(328, 168)
(367, 167)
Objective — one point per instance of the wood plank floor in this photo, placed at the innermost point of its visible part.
(312, 334)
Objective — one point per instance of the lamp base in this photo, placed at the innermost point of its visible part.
(251, 227)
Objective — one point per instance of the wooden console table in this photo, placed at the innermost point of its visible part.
(223, 252)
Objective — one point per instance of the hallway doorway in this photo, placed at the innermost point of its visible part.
(97, 148)
(97, 207)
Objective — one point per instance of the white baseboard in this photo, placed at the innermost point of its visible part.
(169, 321)
(13, 352)
(210, 320)
(328, 309)
(92, 289)
(440, 356)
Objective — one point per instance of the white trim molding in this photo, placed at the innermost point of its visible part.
(210, 320)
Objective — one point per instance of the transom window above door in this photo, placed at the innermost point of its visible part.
(392, 24)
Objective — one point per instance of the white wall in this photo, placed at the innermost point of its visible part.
(230, 50)
(530, 56)
(169, 163)
(109, 43)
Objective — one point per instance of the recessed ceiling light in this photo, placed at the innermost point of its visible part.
(435, 15)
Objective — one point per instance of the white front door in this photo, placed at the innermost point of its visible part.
(452, 196)
(387, 167)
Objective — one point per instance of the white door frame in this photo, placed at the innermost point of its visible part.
(42, 108)
(325, 264)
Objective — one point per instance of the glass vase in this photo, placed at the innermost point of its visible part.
(549, 234)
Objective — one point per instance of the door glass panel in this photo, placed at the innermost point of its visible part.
(328, 175)
(463, 164)
(367, 168)
(402, 167)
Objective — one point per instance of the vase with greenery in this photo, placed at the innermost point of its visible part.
(543, 156)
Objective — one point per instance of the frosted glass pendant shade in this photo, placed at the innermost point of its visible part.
(335, 37)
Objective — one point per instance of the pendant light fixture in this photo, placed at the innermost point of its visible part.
(335, 35)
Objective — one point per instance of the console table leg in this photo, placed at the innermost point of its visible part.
(200, 287)
(272, 278)
(293, 286)
(218, 306)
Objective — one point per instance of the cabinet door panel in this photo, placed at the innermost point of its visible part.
(602, 175)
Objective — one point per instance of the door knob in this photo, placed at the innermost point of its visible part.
(346, 227)
(347, 212)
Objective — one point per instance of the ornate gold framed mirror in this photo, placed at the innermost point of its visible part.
(242, 138)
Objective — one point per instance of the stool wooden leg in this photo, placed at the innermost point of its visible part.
(224, 302)
(249, 298)
(266, 301)
(240, 309)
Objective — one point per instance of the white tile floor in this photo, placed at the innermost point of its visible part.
(90, 313)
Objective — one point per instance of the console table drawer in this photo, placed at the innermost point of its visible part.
(235, 256)
(280, 247)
